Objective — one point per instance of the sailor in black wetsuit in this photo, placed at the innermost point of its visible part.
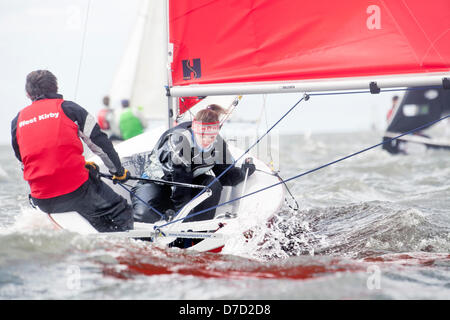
(194, 153)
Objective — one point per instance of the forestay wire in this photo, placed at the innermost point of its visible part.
(305, 97)
(83, 40)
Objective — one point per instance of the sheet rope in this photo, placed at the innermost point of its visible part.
(306, 98)
(284, 181)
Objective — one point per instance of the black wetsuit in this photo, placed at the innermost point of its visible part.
(176, 157)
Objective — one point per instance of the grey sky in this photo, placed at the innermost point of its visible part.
(47, 34)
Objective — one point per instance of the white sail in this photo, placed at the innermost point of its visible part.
(142, 74)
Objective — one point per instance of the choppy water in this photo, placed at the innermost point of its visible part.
(372, 227)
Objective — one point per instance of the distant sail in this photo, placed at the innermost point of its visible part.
(142, 74)
(418, 108)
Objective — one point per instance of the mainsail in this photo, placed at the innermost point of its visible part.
(264, 46)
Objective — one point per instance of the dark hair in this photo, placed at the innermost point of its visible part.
(40, 82)
(106, 101)
(210, 114)
(125, 103)
(395, 98)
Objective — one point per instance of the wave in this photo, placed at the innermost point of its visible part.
(3, 175)
(354, 231)
(342, 246)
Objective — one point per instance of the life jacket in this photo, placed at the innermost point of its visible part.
(102, 119)
(51, 151)
(129, 124)
(389, 114)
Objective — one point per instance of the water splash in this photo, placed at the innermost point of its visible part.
(3, 174)
(353, 231)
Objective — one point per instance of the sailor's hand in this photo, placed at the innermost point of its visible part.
(121, 176)
(248, 165)
(91, 166)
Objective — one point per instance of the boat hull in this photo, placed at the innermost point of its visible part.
(412, 143)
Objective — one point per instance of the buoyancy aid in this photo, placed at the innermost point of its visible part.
(130, 125)
(102, 119)
(51, 151)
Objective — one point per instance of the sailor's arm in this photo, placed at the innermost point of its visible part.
(232, 176)
(96, 140)
(181, 195)
(176, 167)
(14, 143)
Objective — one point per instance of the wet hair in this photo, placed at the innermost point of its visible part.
(211, 113)
(41, 82)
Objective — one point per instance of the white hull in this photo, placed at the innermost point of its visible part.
(231, 220)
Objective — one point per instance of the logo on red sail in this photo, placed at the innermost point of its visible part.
(191, 69)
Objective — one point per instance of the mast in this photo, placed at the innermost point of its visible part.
(169, 54)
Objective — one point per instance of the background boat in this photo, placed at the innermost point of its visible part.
(418, 108)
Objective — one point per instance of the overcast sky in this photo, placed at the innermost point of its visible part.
(47, 34)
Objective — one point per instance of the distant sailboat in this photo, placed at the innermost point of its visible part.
(141, 76)
(417, 108)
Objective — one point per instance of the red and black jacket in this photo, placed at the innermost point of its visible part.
(46, 139)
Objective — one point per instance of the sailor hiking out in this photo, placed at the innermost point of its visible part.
(46, 140)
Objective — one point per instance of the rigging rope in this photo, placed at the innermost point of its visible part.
(309, 171)
(248, 149)
(82, 50)
(282, 181)
(306, 97)
(271, 163)
(143, 201)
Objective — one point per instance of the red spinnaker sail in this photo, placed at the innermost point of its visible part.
(235, 41)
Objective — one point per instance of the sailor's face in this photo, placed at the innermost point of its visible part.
(205, 140)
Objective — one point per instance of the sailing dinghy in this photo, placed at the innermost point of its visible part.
(418, 108)
(231, 219)
(217, 48)
(142, 78)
